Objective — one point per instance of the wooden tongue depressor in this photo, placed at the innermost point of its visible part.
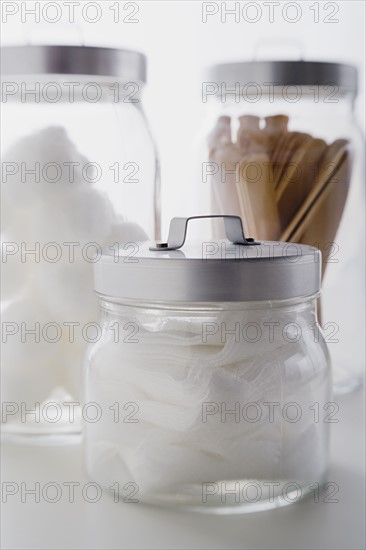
(320, 226)
(226, 155)
(257, 197)
(330, 162)
(298, 177)
(276, 124)
(283, 153)
(250, 137)
(220, 135)
(275, 127)
(311, 162)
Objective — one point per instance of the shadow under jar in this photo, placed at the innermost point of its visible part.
(284, 151)
(211, 377)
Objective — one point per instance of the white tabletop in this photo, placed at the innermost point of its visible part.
(108, 525)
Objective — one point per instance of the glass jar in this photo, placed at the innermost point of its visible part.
(205, 387)
(283, 151)
(80, 172)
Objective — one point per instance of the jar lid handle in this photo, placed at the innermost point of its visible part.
(178, 232)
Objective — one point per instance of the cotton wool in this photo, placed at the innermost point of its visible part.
(29, 359)
(67, 222)
(172, 376)
(219, 356)
(57, 164)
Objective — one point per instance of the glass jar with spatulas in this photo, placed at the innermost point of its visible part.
(284, 152)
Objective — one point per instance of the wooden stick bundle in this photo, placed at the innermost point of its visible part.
(288, 186)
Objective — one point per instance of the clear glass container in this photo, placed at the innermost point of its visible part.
(80, 172)
(216, 406)
(282, 149)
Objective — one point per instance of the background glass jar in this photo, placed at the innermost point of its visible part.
(80, 172)
(205, 403)
(283, 150)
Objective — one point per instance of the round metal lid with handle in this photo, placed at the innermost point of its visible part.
(236, 269)
(126, 65)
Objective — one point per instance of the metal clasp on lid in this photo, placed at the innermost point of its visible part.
(178, 231)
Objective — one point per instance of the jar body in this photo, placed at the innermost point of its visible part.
(79, 173)
(202, 404)
(248, 169)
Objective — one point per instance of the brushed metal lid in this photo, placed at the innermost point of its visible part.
(124, 65)
(236, 269)
(286, 73)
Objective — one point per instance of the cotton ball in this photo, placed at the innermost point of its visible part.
(67, 289)
(126, 232)
(17, 222)
(53, 143)
(12, 219)
(13, 281)
(20, 347)
(15, 274)
(31, 355)
(58, 164)
(80, 216)
(83, 218)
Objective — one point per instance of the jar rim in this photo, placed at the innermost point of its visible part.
(111, 301)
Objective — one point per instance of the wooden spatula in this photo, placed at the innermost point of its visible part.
(257, 198)
(275, 127)
(226, 155)
(285, 149)
(332, 159)
(220, 135)
(250, 138)
(319, 227)
(298, 177)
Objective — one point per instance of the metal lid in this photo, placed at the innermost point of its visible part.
(125, 65)
(286, 73)
(237, 269)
